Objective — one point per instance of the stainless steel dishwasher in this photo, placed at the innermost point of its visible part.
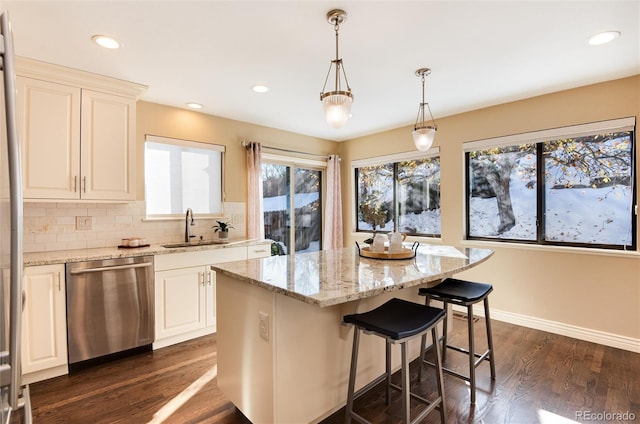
(110, 306)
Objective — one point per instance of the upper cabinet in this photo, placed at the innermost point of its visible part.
(77, 132)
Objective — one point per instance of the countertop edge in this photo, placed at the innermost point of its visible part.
(79, 255)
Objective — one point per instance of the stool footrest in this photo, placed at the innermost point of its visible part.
(448, 371)
(481, 357)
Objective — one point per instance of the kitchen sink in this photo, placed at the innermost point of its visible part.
(195, 243)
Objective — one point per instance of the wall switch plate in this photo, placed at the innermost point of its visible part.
(83, 222)
(263, 325)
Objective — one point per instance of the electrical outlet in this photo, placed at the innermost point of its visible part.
(263, 325)
(83, 222)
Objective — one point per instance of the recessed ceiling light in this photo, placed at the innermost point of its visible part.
(105, 41)
(603, 37)
(194, 105)
(260, 88)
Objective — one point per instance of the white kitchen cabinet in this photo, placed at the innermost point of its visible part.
(44, 323)
(77, 132)
(49, 128)
(184, 304)
(185, 291)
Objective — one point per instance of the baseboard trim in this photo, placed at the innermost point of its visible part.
(580, 333)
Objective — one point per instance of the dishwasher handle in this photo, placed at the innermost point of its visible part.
(110, 268)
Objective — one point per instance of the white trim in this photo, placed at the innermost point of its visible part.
(396, 157)
(631, 254)
(62, 75)
(184, 143)
(555, 327)
(622, 124)
(293, 160)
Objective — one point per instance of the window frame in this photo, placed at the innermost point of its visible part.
(538, 138)
(188, 144)
(394, 159)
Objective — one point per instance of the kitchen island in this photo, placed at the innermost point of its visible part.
(283, 355)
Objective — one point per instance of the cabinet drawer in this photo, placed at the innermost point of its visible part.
(199, 258)
(259, 251)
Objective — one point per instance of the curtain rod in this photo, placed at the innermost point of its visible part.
(245, 144)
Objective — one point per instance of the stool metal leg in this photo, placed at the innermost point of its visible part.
(487, 321)
(472, 356)
(423, 346)
(388, 370)
(439, 375)
(445, 329)
(406, 396)
(352, 376)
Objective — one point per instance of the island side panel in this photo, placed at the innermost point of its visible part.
(313, 354)
(245, 360)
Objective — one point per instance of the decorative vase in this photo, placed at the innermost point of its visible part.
(223, 234)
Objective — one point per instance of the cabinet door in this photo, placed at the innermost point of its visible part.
(180, 301)
(49, 129)
(211, 298)
(44, 329)
(108, 146)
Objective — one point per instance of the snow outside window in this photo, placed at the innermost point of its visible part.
(182, 174)
(292, 204)
(576, 189)
(402, 195)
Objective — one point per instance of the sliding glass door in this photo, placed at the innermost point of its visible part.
(292, 199)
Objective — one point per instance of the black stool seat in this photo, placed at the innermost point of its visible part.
(462, 293)
(397, 319)
(460, 290)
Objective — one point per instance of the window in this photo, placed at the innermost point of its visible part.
(569, 186)
(400, 192)
(292, 200)
(182, 174)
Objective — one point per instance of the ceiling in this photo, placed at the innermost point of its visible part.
(481, 53)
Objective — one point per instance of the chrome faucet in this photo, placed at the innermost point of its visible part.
(187, 232)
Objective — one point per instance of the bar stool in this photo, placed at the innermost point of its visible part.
(397, 321)
(464, 293)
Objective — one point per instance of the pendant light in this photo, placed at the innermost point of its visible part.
(337, 103)
(423, 134)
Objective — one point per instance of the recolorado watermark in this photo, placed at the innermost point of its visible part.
(605, 416)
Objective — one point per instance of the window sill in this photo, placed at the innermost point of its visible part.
(561, 249)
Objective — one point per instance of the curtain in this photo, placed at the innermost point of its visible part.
(255, 216)
(332, 238)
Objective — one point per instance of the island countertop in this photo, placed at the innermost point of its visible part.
(332, 277)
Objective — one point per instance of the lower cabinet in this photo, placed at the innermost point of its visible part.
(185, 303)
(185, 291)
(44, 323)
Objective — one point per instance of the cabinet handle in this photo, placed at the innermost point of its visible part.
(75, 183)
(201, 278)
(260, 251)
(209, 277)
(59, 281)
(84, 184)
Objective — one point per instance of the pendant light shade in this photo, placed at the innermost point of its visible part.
(423, 134)
(423, 138)
(337, 108)
(337, 103)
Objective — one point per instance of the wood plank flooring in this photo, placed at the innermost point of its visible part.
(541, 378)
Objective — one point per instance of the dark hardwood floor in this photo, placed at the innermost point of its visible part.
(542, 378)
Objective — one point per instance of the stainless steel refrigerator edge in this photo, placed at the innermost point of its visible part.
(12, 394)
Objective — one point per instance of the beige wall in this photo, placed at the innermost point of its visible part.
(572, 287)
(542, 286)
(166, 121)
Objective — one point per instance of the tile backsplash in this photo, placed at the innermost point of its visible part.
(53, 226)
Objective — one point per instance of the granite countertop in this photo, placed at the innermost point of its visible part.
(332, 277)
(79, 255)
